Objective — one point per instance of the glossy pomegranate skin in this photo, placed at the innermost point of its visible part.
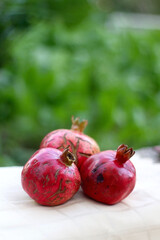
(81, 145)
(48, 180)
(106, 178)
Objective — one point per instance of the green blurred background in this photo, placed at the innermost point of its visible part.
(59, 58)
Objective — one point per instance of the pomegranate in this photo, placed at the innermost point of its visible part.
(50, 176)
(81, 145)
(109, 176)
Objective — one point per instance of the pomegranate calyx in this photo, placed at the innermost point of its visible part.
(78, 125)
(67, 157)
(124, 153)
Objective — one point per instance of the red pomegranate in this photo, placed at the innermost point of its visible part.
(81, 145)
(50, 176)
(109, 176)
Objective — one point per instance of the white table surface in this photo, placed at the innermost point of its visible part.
(135, 218)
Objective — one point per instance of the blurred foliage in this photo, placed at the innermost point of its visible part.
(18, 15)
(56, 67)
(140, 6)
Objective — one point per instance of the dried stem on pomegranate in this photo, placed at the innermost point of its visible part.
(124, 153)
(78, 125)
(67, 157)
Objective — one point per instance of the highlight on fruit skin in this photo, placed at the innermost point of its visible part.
(81, 145)
(50, 176)
(109, 176)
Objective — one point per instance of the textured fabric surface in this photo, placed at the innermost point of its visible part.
(136, 217)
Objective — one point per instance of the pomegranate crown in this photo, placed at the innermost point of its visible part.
(124, 153)
(67, 157)
(78, 125)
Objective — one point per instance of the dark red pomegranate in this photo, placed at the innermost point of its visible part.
(50, 176)
(109, 176)
(81, 145)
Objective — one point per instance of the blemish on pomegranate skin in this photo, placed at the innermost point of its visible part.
(47, 179)
(100, 178)
(35, 191)
(94, 170)
(56, 174)
(45, 163)
(97, 166)
(35, 161)
(68, 181)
